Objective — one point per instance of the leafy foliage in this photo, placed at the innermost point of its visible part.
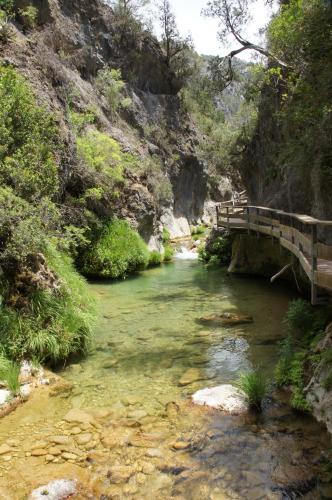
(29, 16)
(110, 84)
(116, 252)
(27, 138)
(218, 250)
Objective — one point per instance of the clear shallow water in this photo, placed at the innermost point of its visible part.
(147, 337)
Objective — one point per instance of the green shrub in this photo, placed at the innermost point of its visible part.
(29, 17)
(55, 323)
(168, 253)
(115, 253)
(217, 251)
(255, 386)
(166, 236)
(110, 84)
(300, 316)
(155, 258)
(28, 139)
(103, 155)
(5, 27)
(283, 368)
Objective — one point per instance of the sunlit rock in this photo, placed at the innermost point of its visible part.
(55, 490)
(223, 397)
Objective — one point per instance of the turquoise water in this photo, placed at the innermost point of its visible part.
(150, 441)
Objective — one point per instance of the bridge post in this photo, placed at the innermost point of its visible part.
(217, 214)
(248, 219)
(227, 211)
(313, 264)
(257, 222)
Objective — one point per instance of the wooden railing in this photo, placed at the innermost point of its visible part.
(300, 234)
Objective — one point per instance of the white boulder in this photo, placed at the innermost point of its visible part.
(55, 490)
(223, 397)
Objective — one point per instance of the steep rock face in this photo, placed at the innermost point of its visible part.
(61, 58)
(281, 172)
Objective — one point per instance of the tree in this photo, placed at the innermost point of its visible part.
(172, 42)
(130, 22)
(232, 16)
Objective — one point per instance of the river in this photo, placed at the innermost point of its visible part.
(147, 336)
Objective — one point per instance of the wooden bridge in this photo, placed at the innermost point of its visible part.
(302, 235)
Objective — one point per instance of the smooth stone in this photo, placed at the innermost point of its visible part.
(154, 453)
(83, 439)
(54, 451)
(75, 431)
(4, 448)
(61, 439)
(223, 397)
(55, 490)
(39, 452)
(180, 445)
(120, 473)
(172, 410)
(137, 414)
(49, 458)
(193, 375)
(79, 417)
(69, 456)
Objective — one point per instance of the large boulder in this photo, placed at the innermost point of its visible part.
(223, 397)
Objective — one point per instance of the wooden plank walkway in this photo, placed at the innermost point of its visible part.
(302, 235)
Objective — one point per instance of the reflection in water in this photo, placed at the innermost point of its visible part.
(146, 339)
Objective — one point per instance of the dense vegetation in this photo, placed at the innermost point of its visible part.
(116, 252)
(298, 358)
(45, 309)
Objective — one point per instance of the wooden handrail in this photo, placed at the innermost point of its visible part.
(296, 232)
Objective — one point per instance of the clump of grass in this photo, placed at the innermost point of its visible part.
(155, 258)
(116, 252)
(255, 386)
(55, 324)
(12, 378)
(9, 374)
(169, 253)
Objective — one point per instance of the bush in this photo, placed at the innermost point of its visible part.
(5, 27)
(300, 317)
(169, 253)
(28, 140)
(255, 387)
(155, 258)
(55, 323)
(29, 17)
(286, 354)
(110, 84)
(166, 236)
(116, 252)
(217, 251)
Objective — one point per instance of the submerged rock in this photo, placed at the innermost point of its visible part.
(226, 319)
(223, 397)
(55, 490)
(194, 375)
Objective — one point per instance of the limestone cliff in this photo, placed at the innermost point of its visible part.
(61, 58)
